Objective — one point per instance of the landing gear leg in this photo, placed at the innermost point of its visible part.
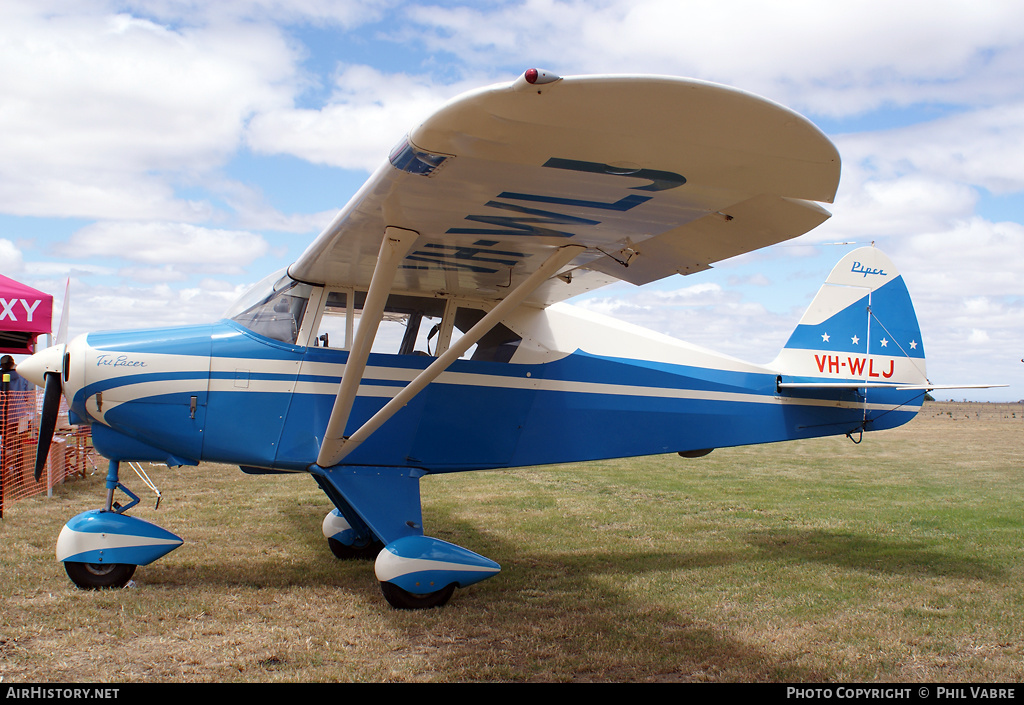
(414, 571)
(102, 548)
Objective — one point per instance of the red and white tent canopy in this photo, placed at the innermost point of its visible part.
(25, 313)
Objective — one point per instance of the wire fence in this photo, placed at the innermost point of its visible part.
(71, 452)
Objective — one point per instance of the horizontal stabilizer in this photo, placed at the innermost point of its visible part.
(957, 386)
(880, 385)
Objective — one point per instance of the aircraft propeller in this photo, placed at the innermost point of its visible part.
(53, 361)
(48, 419)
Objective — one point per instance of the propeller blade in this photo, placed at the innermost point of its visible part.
(62, 326)
(48, 419)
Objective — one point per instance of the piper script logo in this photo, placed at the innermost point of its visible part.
(859, 268)
(8, 310)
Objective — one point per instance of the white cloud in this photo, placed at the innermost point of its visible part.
(972, 258)
(42, 191)
(166, 274)
(896, 207)
(704, 314)
(10, 258)
(168, 244)
(124, 307)
(252, 210)
(983, 147)
(978, 337)
(368, 113)
(97, 105)
(342, 13)
(832, 58)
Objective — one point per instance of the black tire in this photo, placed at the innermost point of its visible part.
(402, 600)
(94, 576)
(361, 553)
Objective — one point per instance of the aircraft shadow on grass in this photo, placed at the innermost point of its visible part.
(862, 552)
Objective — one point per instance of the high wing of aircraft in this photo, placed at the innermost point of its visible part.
(425, 330)
(498, 179)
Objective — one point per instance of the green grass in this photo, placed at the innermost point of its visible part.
(894, 560)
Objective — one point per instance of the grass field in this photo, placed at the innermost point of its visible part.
(898, 559)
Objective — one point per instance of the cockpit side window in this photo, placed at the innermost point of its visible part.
(278, 313)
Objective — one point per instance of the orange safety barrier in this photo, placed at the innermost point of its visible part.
(71, 452)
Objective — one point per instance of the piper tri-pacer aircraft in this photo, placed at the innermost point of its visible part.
(488, 216)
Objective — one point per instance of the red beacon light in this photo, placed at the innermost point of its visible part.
(538, 77)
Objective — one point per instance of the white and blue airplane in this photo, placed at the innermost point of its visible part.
(488, 216)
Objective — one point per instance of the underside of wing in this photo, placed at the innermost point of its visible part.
(653, 176)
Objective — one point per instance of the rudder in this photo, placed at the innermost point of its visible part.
(860, 327)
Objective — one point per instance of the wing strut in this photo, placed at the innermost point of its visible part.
(395, 245)
(334, 450)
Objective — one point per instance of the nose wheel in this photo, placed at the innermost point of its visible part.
(358, 553)
(403, 600)
(95, 576)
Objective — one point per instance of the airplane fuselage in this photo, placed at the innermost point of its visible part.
(222, 393)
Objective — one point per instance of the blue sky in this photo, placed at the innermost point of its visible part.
(166, 154)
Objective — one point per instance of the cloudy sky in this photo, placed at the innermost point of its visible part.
(165, 154)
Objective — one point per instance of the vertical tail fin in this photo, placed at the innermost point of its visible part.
(860, 328)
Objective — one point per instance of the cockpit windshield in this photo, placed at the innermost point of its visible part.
(273, 308)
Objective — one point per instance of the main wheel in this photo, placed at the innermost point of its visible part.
(92, 576)
(359, 553)
(403, 600)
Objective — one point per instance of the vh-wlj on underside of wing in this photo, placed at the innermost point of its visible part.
(422, 331)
